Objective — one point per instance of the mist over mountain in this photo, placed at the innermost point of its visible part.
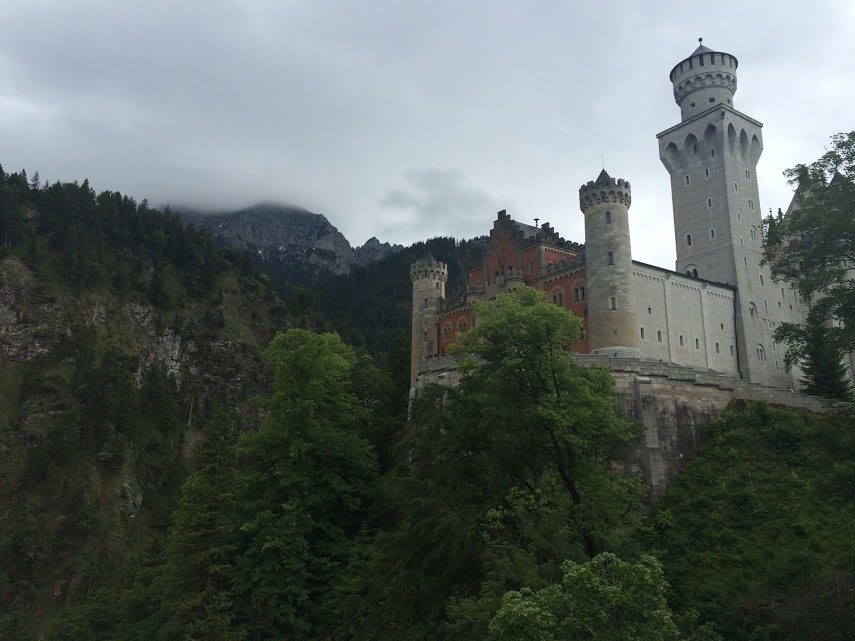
(295, 245)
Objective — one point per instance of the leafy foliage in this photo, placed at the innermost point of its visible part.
(758, 533)
(498, 481)
(605, 598)
(813, 247)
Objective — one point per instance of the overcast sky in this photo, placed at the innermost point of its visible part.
(405, 120)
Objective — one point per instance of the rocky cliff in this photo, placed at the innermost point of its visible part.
(297, 243)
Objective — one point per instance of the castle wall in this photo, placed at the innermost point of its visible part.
(568, 288)
(674, 404)
(686, 320)
(451, 324)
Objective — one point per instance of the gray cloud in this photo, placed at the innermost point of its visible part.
(326, 103)
(440, 203)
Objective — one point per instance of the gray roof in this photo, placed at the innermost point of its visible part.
(528, 231)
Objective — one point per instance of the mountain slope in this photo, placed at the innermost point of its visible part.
(295, 244)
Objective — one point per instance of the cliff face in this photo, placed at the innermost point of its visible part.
(302, 244)
(102, 397)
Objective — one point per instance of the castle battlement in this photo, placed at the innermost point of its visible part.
(603, 190)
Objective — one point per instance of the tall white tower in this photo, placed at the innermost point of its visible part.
(712, 159)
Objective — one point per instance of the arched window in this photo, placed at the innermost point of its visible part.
(659, 336)
(752, 310)
(681, 340)
(697, 343)
(716, 348)
(642, 333)
(731, 350)
(461, 326)
(761, 353)
(689, 240)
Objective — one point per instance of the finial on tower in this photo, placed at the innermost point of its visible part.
(700, 41)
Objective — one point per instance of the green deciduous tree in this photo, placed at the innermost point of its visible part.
(498, 480)
(813, 247)
(606, 599)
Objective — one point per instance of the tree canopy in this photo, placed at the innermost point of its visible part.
(499, 480)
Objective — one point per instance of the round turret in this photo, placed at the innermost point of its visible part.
(705, 79)
(428, 276)
(612, 325)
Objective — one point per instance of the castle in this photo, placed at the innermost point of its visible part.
(715, 313)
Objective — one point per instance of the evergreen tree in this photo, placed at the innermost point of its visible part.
(308, 475)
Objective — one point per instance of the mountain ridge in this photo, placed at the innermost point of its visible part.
(300, 245)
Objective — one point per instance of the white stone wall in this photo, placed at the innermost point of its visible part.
(672, 306)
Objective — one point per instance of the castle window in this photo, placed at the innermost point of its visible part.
(716, 348)
(642, 333)
(530, 267)
(745, 260)
(712, 234)
(426, 302)
(783, 297)
(555, 298)
(731, 350)
(608, 217)
(461, 327)
(776, 365)
(689, 240)
(582, 293)
(761, 280)
(697, 343)
(753, 234)
(761, 353)
(747, 174)
(712, 151)
(560, 299)
(738, 217)
(612, 303)
(751, 205)
(712, 100)
(766, 305)
(681, 340)
(752, 310)
(709, 202)
(735, 186)
(611, 258)
(707, 172)
(437, 285)
(741, 243)
(446, 332)
(693, 105)
(696, 149)
(659, 336)
(687, 179)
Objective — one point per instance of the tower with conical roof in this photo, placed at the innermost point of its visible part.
(612, 324)
(428, 276)
(711, 156)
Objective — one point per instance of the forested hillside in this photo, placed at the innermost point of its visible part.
(373, 303)
(123, 334)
